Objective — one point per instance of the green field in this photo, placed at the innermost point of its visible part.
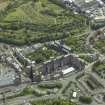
(26, 22)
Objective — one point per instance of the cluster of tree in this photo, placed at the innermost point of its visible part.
(50, 85)
(53, 102)
(27, 91)
(98, 26)
(19, 32)
(66, 87)
(13, 4)
(85, 99)
(77, 44)
(88, 58)
(99, 66)
(41, 55)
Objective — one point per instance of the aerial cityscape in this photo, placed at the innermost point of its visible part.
(52, 52)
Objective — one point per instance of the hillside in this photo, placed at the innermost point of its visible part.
(30, 21)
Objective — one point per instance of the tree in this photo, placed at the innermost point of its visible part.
(85, 99)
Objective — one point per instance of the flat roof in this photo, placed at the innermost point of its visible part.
(7, 79)
(68, 70)
(74, 94)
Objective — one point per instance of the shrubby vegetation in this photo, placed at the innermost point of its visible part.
(26, 22)
(99, 67)
(66, 87)
(86, 99)
(88, 58)
(100, 45)
(43, 54)
(28, 91)
(97, 25)
(50, 85)
(98, 41)
(54, 102)
(77, 44)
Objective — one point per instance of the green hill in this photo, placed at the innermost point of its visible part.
(32, 21)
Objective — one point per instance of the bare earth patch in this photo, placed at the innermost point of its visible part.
(3, 4)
